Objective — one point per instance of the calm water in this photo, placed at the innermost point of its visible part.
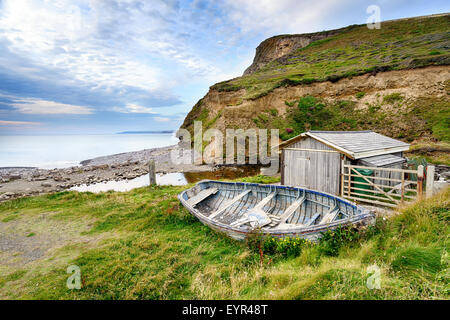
(69, 150)
(174, 179)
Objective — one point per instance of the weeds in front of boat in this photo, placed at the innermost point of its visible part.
(255, 240)
(142, 244)
(329, 243)
(332, 240)
(269, 247)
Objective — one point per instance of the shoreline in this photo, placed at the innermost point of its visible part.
(16, 182)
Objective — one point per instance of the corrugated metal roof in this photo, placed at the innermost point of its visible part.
(382, 160)
(354, 144)
(358, 143)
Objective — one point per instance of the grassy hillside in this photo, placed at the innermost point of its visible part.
(143, 245)
(411, 103)
(424, 119)
(355, 50)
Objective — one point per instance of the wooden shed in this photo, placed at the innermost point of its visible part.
(314, 159)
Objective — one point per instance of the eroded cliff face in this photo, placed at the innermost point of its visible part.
(279, 46)
(222, 110)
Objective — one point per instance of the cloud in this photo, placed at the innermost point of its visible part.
(107, 44)
(136, 57)
(18, 123)
(36, 106)
(161, 119)
(134, 108)
(281, 16)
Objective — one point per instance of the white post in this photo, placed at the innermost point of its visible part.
(420, 181)
(152, 172)
(342, 175)
(429, 183)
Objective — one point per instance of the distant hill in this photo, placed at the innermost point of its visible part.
(146, 132)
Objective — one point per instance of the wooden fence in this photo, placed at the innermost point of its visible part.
(385, 186)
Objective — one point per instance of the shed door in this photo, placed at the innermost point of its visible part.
(316, 170)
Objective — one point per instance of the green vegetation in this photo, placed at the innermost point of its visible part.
(261, 179)
(360, 95)
(354, 50)
(347, 52)
(393, 98)
(391, 115)
(11, 277)
(436, 113)
(143, 244)
(431, 152)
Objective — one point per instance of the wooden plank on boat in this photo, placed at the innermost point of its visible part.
(202, 195)
(229, 204)
(287, 213)
(330, 216)
(311, 221)
(258, 208)
(257, 218)
(284, 226)
(291, 209)
(264, 201)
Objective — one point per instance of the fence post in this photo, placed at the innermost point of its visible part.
(420, 181)
(403, 187)
(429, 183)
(342, 175)
(282, 167)
(152, 172)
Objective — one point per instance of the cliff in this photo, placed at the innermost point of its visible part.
(278, 46)
(395, 80)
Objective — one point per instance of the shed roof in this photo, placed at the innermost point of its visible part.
(381, 161)
(355, 144)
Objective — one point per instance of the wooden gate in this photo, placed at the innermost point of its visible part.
(379, 190)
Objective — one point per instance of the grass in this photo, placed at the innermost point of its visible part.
(360, 95)
(354, 50)
(149, 247)
(431, 152)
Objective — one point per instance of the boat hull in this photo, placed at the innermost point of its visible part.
(349, 213)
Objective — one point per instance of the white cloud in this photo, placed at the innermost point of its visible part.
(134, 108)
(281, 16)
(37, 106)
(18, 123)
(148, 52)
(106, 44)
(161, 119)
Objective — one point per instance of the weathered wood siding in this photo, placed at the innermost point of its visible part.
(312, 169)
(309, 143)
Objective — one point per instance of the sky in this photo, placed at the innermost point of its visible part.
(106, 66)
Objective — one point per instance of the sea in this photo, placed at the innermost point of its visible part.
(60, 151)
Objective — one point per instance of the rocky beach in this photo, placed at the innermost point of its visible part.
(16, 182)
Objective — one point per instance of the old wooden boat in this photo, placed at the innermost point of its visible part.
(236, 208)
